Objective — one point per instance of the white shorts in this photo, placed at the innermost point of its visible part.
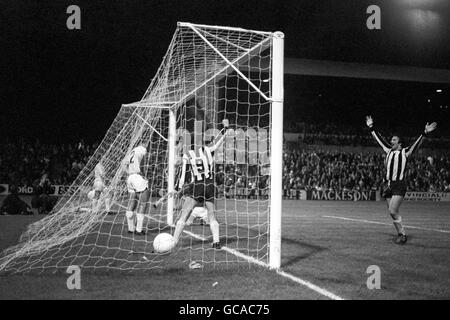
(136, 183)
(91, 195)
(99, 185)
(200, 212)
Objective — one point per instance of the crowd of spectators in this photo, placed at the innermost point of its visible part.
(344, 135)
(40, 165)
(25, 162)
(337, 170)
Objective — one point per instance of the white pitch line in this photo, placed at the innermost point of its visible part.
(297, 280)
(386, 224)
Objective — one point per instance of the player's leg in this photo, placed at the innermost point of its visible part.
(98, 187)
(132, 203)
(213, 224)
(91, 197)
(191, 218)
(188, 204)
(143, 201)
(388, 202)
(210, 192)
(204, 220)
(108, 204)
(394, 207)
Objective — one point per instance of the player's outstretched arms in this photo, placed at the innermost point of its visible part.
(215, 146)
(429, 127)
(369, 121)
(378, 138)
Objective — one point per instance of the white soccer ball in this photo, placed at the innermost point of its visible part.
(163, 243)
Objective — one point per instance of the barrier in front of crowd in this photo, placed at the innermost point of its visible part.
(288, 194)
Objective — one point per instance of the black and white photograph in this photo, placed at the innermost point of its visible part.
(224, 155)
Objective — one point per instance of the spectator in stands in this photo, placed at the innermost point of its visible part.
(14, 205)
(42, 201)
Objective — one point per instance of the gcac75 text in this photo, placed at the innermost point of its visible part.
(253, 309)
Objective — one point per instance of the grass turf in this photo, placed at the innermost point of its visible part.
(317, 246)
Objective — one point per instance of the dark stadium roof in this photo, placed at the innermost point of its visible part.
(57, 80)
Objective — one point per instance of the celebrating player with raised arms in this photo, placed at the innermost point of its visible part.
(197, 172)
(137, 188)
(396, 160)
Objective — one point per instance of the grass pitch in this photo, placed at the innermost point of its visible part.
(329, 244)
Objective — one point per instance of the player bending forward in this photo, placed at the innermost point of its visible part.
(137, 188)
(199, 212)
(396, 160)
(99, 187)
(201, 189)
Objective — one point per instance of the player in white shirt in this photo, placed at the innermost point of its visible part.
(137, 188)
(99, 187)
(198, 171)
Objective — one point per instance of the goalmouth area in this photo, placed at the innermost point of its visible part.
(272, 248)
(328, 244)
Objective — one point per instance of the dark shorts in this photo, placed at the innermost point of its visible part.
(395, 188)
(201, 191)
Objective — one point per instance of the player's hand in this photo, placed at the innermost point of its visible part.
(369, 121)
(430, 127)
(225, 123)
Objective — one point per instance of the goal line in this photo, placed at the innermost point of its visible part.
(250, 259)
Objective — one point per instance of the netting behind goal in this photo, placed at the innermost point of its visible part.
(208, 74)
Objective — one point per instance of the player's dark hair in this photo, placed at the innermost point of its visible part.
(400, 140)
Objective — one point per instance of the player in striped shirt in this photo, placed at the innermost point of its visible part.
(396, 161)
(197, 172)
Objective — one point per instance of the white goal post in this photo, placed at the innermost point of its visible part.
(276, 142)
(276, 150)
(209, 74)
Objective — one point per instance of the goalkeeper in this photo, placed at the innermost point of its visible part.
(201, 189)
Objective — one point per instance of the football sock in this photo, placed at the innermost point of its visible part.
(178, 229)
(214, 225)
(398, 223)
(108, 204)
(139, 222)
(130, 220)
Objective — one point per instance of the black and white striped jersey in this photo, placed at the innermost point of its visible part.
(197, 168)
(396, 160)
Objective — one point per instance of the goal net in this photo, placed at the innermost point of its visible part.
(208, 74)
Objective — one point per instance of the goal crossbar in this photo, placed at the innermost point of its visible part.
(229, 63)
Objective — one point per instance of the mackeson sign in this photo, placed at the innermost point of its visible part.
(344, 195)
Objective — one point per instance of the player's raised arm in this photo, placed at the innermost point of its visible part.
(428, 128)
(378, 138)
(219, 142)
(183, 172)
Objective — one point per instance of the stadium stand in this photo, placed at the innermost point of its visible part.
(40, 165)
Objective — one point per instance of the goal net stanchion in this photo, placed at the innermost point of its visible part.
(171, 167)
(276, 150)
(208, 74)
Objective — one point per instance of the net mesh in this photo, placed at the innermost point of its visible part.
(208, 74)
